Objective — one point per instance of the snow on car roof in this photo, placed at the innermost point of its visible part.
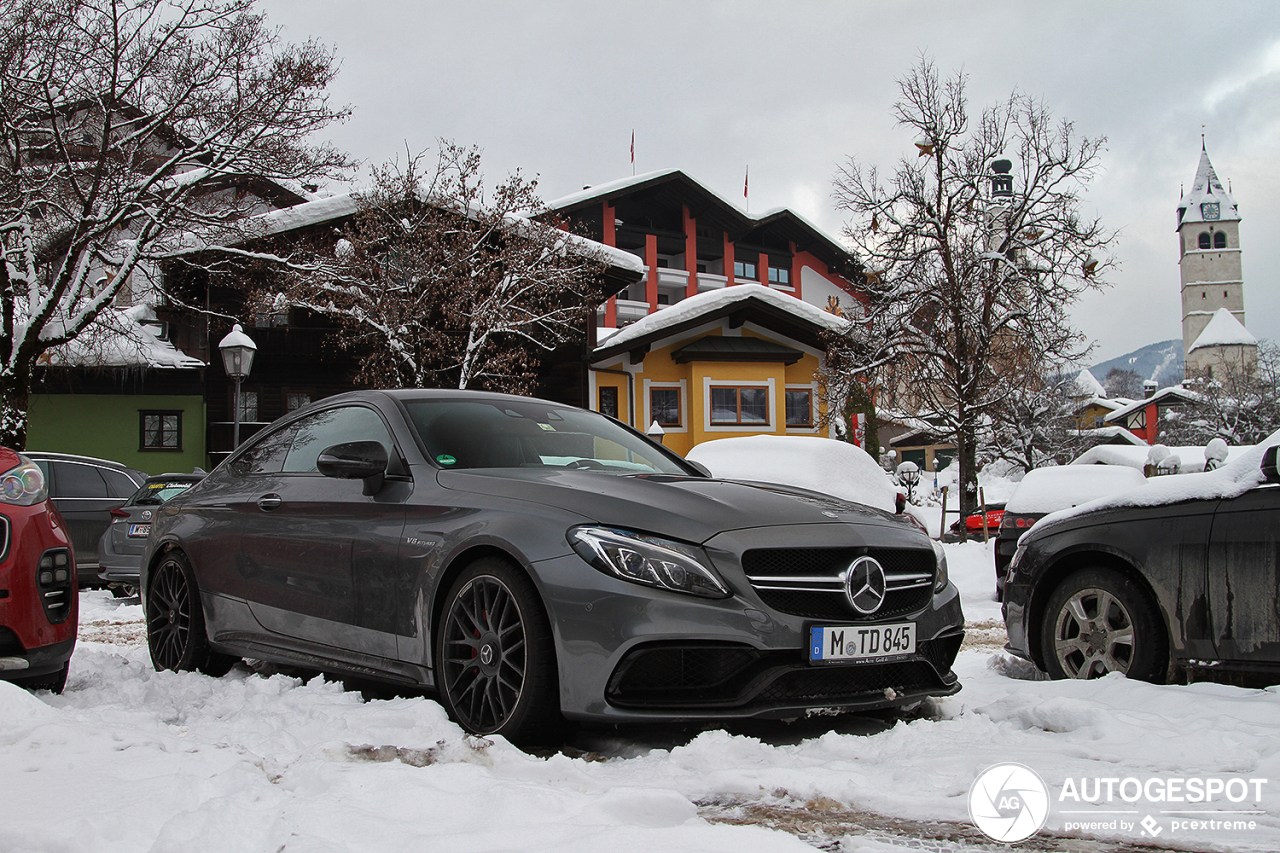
(1135, 456)
(1049, 489)
(809, 462)
(1230, 481)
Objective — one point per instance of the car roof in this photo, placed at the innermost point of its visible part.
(72, 457)
(182, 478)
(1046, 490)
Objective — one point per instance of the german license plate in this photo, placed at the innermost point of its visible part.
(139, 529)
(852, 643)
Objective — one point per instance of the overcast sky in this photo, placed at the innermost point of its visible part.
(793, 88)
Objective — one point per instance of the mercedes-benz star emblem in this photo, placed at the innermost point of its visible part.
(486, 654)
(865, 585)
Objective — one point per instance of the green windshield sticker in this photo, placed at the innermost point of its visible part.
(446, 459)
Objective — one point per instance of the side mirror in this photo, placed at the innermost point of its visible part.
(700, 468)
(355, 460)
(1269, 471)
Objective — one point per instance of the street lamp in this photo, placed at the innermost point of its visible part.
(237, 358)
(909, 475)
(655, 432)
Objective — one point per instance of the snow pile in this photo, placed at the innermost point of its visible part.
(1047, 489)
(819, 464)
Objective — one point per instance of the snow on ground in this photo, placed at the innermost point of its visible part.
(128, 759)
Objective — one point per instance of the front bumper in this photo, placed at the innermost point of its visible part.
(631, 653)
(43, 660)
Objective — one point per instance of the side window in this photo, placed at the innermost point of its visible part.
(118, 484)
(79, 481)
(266, 454)
(330, 427)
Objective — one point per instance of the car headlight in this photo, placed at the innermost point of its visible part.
(648, 560)
(940, 580)
(23, 485)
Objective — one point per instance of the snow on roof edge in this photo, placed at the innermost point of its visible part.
(703, 303)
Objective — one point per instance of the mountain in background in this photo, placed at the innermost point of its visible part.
(1161, 362)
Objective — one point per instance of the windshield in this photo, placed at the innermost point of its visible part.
(519, 434)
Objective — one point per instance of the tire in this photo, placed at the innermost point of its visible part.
(176, 633)
(495, 657)
(53, 682)
(124, 590)
(1099, 621)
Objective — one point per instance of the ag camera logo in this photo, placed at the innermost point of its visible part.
(1009, 802)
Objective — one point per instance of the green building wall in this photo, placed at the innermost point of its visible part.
(109, 426)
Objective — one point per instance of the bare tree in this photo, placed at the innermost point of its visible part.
(1123, 383)
(125, 126)
(975, 249)
(446, 284)
(1036, 425)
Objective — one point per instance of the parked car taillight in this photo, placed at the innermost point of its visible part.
(119, 513)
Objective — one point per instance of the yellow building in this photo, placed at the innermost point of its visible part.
(742, 360)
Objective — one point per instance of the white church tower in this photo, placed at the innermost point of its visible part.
(1209, 257)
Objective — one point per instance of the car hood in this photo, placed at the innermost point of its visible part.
(692, 509)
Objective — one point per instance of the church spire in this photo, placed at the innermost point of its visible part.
(1208, 200)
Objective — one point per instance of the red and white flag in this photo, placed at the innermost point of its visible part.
(746, 178)
(633, 148)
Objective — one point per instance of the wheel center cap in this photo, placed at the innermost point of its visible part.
(487, 654)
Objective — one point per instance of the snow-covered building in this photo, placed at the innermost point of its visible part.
(1142, 418)
(723, 333)
(733, 361)
(1224, 345)
(1212, 276)
(136, 372)
(693, 241)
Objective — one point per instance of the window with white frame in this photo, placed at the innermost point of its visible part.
(738, 405)
(664, 406)
(799, 403)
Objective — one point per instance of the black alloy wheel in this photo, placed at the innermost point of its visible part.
(175, 621)
(1099, 621)
(496, 660)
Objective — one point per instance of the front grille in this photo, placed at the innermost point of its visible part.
(810, 582)
(711, 675)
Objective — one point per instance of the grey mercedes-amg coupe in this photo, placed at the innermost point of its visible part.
(532, 562)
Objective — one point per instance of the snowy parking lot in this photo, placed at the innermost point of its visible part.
(128, 759)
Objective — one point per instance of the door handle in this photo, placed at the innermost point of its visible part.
(269, 502)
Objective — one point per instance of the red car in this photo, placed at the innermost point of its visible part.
(38, 599)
